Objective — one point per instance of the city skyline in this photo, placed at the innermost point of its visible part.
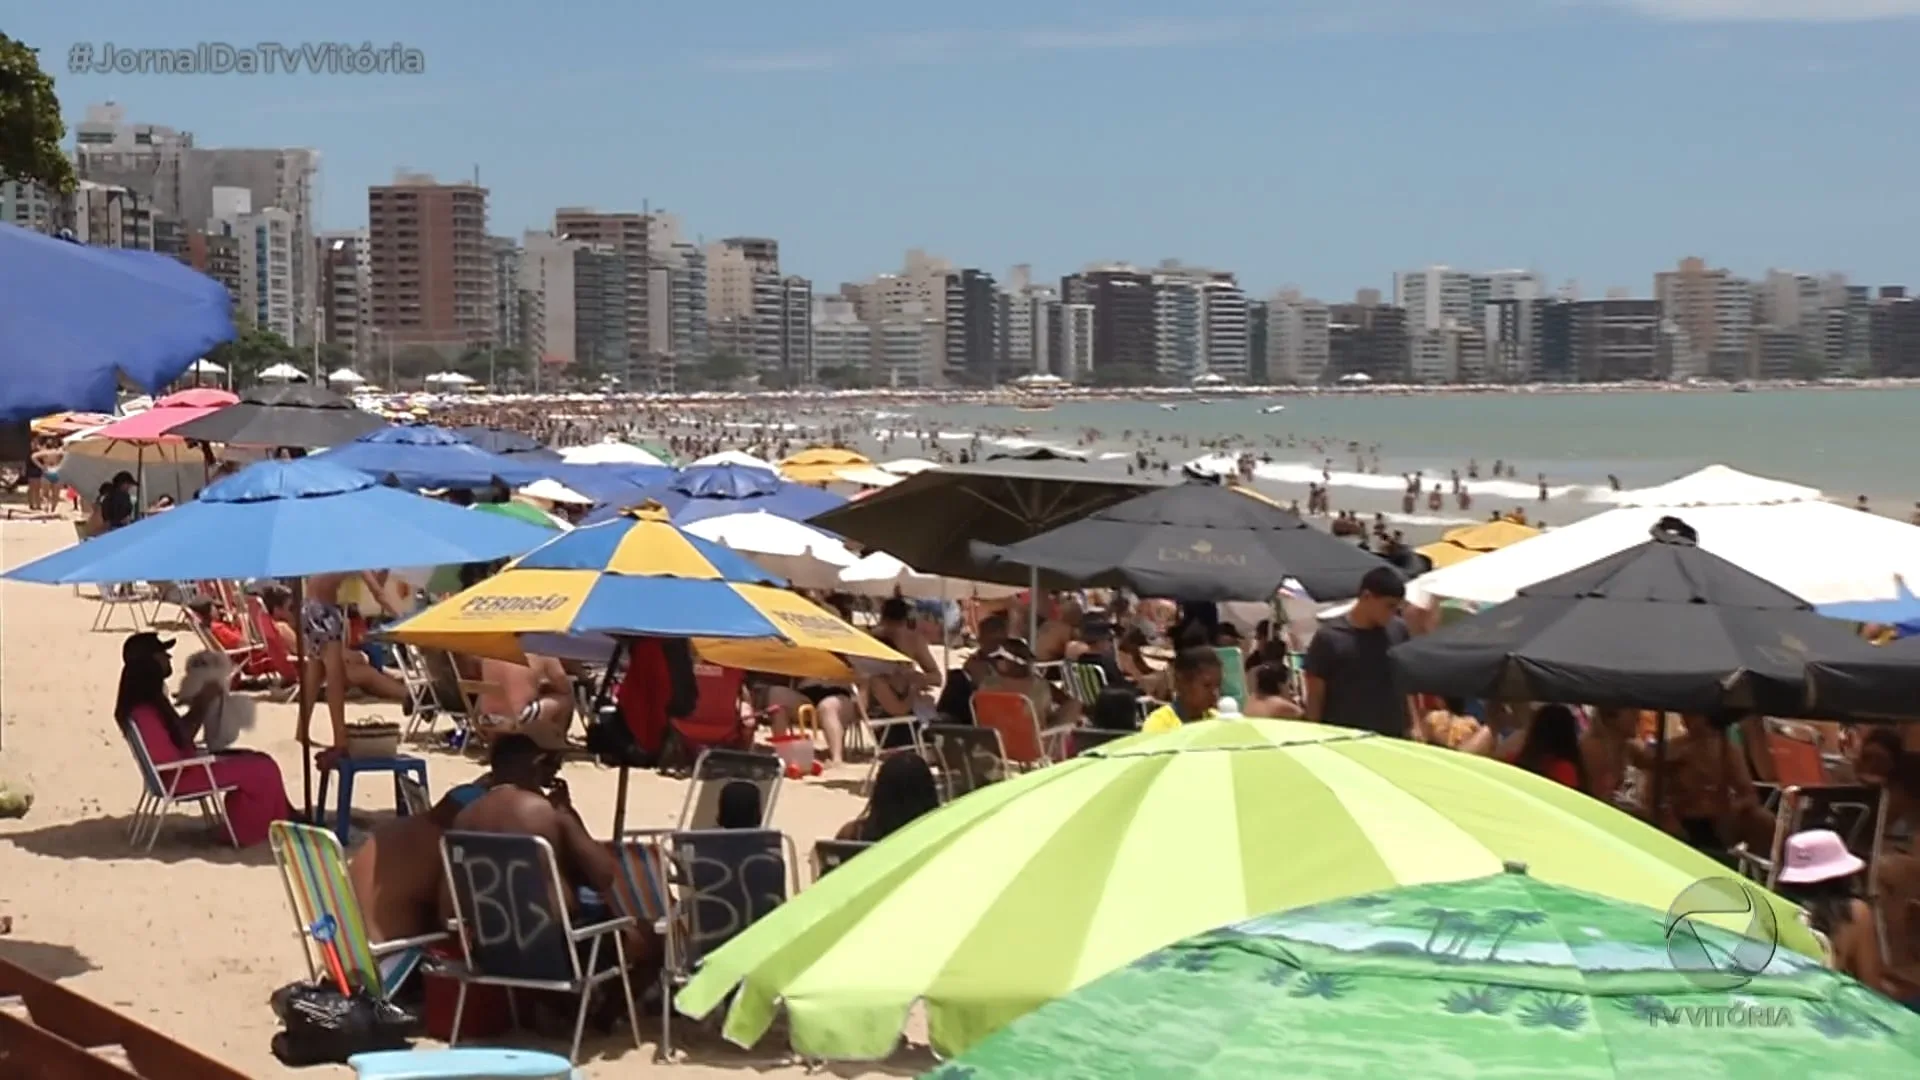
(1594, 141)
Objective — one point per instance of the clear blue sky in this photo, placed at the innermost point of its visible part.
(1325, 147)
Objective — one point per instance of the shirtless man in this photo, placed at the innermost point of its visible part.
(324, 625)
(1057, 634)
(396, 872)
(535, 699)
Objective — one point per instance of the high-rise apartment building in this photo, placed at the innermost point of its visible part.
(265, 241)
(1298, 339)
(1434, 297)
(148, 159)
(1078, 355)
(1367, 339)
(1179, 326)
(1894, 333)
(1124, 325)
(796, 330)
(28, 205)
(343, 264)
(1224, 329)
(842, 344)
(1616, 339)
(430, 267)
(505, 253)
(107, 215)
(217, 255)
(547, 327)
(1711, 315)
(634, 237)
(972, 314)
(677, 310)
(1258, 315)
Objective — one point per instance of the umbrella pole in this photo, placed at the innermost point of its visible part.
(304, 727)
(600, 702)
(1660, 772)
(1033, 605)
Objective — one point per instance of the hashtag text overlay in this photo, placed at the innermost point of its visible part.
(262, 58)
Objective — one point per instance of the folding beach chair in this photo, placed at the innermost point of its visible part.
(276, 662)
(964, 758)
(134, 598)
(1082, 739)
(831, 855)
(1023, 743)
(176, 783)
(1084, 683)
(516, 929)
(324, 906)
(728, 880)
(714, 770)
(423, 705)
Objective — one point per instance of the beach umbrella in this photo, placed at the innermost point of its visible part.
(608, 453)
(283, 373)
(76, 319)
(640, 576)
(928, 521)
(281, 519)
(820, 464)
(805, 556)
(346, 377)
(1025, 889)
(735, 457)
(1196, 541)
(421, 456)
(1504, 975)
(1883, 683)
(504, 441)
(203, 366)
(63, 424)
(1664, 625)
(703, 491)
(166, 414)
(614, 487)
(528, 513)
(1901, 609)
(867, 476)
(553, 491)
(1472, 541)
(880, 574)
(292, 414)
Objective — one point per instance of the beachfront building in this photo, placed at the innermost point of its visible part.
(1894, 346)
(1077, 349)
(1124, 324)
(216, 255)
(843, 346)
(1435, 297)
(1224, 329)
(1179, 337)
(1711, 314)
(1257, 316)
(677, 314)
(635, 237)
(1451, 354)
(1367, 339)
(431, 274)
(504, 252)
(28, 205)
(1516, 332)
(343, 269)
(972, 314)
(1298, 339)
(106, 215)
(264, 243)
(796, 330)
(547, 326)
(1617, 339)
(907, 351)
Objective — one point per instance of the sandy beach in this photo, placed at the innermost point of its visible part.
(194, 937)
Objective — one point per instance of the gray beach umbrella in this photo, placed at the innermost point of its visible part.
(1196, 542)
(1881, 683)
(293, 414)
(928, 519)
(1662, 625)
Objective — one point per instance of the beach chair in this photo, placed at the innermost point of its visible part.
(423, 706)
(176, 783)
(728, 880)
(1854, 811)
(516, 930)
(1023, 744)
(277, 663)
(714, 770)
(964, 757)
(325, 906)
(830, 855)
(1233, 672)
(133, 598)
(1085, 682)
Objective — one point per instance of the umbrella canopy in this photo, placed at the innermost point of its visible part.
(806, 557)
(283, 373)
(617, 487)
(504, 441)
(346, 377)
(1881, 683)
(203, 366)
(1196, 541)
(74, 319)
(285, 415)
(867, 476)
(166, 414)
(1472, 541)
(928, 521)
(63, 424)
(1901, 609)
(1763, 526)
(820, 464)
(735, 457)
(880, 574)
(553, 491)
(450, 378)
(608, 453)
(639, 576)
(1502, 975)
(1026, 889)
(526, 512)
(422, 456)
(1665, 625)
(279, 519)
(703, 491)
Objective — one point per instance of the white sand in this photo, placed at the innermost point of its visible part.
(193, 938)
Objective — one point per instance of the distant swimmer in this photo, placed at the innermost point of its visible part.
(1915, 519)
(1543, 487)
(1613, 482)
(1861, 505)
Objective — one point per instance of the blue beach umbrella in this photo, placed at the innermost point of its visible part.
(287, 519)
(1901, 610)
(704, 491)
(74, 319)
(612, 487)
(423, 456)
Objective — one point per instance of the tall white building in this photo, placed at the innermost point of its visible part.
(265, 241)
(548, 320)
(28, 205)
(1298, 339)
(677, 305)
(909, 350)
(841, 342)
(1179, 323)
(1075, 360)
(1435, 296)
(1225, 330)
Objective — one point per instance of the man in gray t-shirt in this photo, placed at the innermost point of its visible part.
(1349, 681)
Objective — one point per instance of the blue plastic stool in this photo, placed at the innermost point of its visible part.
(348, 768)
(470, 1064)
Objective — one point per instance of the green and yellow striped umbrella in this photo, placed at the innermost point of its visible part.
(1015, 895)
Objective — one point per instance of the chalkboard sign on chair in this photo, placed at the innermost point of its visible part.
(728, 880)
(514, 922)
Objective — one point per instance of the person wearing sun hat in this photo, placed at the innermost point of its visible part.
(1822, 876)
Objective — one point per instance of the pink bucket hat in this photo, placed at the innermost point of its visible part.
(1818, 855)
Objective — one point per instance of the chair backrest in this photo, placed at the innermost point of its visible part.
(1851, 810)
(729, 880)
(966, 757)
(829, 855)
(323, 901)
(1796, 762)
(278, 658)
(1012, 716)
(714, 770)
(1233, 672)
(413, 794)
(511, 905)
(643, 878)
(444, 678)
(149, 775)
(1085, 681)
(1086, 738)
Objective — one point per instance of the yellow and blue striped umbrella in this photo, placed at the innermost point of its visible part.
(640, 576)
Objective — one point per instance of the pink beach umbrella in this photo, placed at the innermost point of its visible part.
(167, 413)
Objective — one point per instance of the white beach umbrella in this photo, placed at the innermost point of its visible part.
(868, 476)
(608, 453)
(1822, 552)
(805, 556)
(346, 376)
(283, 373)
(880, 574)
(737, 457)
(553, 491)
(908, 466)
(204, 366)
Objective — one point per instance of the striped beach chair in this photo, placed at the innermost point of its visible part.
(325, 908)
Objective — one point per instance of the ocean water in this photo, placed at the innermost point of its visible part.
(1845, 442)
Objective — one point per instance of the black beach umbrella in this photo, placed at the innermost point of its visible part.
(503, 441)
(1198, 542)
(1662, 625)
(928, 519)
(292, 414)
(1881, 683)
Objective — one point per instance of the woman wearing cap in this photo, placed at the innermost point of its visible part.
(1823, 877)
(259, 796)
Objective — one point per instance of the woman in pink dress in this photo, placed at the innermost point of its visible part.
(258, 798)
